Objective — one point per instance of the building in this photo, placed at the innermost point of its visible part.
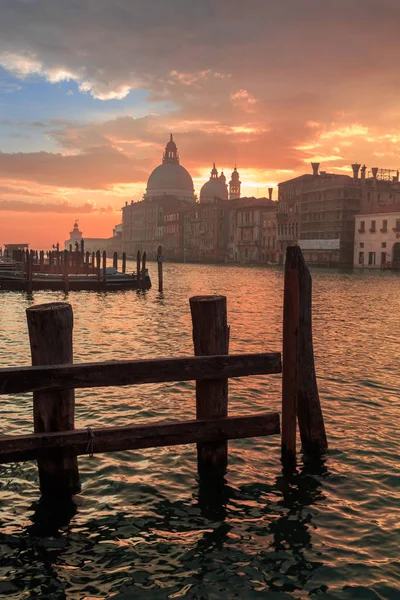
(290, 194)
(110, 245)
(253, 219)
(170, 178)
(377, 238)
(214, 189)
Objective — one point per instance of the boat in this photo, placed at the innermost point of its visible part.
(113, 280)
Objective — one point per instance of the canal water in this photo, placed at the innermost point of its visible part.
(144, 526)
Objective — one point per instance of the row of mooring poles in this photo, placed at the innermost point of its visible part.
(77, 262)
(300, 398)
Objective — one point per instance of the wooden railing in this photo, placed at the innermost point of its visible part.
(53, 379)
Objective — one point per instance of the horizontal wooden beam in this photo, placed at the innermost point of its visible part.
(16, 380)
(18, 448)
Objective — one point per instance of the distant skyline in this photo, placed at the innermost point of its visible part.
(89, 92)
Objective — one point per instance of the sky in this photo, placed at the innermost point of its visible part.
(91, 89)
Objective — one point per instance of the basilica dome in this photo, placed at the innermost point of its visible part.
(215, 187)
(170, 177)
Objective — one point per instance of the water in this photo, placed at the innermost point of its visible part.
(144, 527)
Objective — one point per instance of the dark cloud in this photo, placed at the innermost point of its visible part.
(21, 206)
(96, 168)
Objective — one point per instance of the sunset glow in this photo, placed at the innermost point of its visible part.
(88, 99)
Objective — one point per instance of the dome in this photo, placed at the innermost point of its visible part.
(170, 176)
(215, 187)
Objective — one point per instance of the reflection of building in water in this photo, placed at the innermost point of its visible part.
(110, 245)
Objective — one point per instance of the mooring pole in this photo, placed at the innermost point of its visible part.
(309, 412)
(50, 334)
(104, 266)
(160, 268)
(143, 270)
(211, 337)
(66, 268)
(124, 262)
(115, 260)
(290, 363)
(138, 268)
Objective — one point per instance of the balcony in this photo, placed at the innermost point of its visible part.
(372, 230)
(384, 230)
(361, 231)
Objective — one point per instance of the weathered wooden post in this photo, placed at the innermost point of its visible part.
(41, 261)
(98, 263)
(93, 262)
(309, 413)
(160, 268)
(290, 363)
(143, 278)
(58, 265)
(138, 268)
(115, 260)
(211, 337)
(87, 261)
(124, 262)
(29, 271)
(104, 266)
(66, 268)
(50, 333)
(50, 262)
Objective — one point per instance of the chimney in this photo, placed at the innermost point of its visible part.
(356, 168)
(315, 167)
(374, 172)
(363, 169)
(270, 190)
(126, 203)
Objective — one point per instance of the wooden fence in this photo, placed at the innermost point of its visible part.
(53, 379)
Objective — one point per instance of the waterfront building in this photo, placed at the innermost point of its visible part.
(253, 218)
(287, 218)
(110, 245)
(377, 238)
(170, 178)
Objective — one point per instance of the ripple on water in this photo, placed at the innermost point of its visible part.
(145, 526)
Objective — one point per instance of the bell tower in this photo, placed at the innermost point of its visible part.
(234, 185)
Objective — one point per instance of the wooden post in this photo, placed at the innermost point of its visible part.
(50, 333)
(58, 265)
(66, 267)
(124, 262)
(29, 270)
(143, 278)
(211, 337)
(87, 261)
(160, 268)
(115, 260)
(41, 259)
(290, 364)
(104, 266)
(138, 268)
(309, 413)
(98, 263)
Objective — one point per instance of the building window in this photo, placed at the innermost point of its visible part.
(384, 226)
(361, 258)
(371, 258)
(362, 227)
(397, 224)
(361, 244)
(383, 258)
(383, 244)
(373, 227)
